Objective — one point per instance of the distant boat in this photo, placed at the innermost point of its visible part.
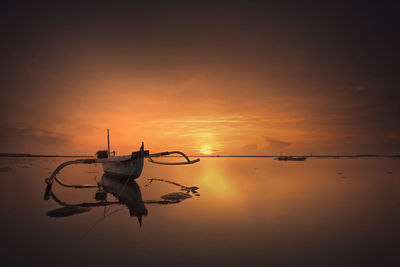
(291, 158)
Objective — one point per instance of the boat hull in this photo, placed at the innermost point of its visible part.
(126, 166)
(125, 169)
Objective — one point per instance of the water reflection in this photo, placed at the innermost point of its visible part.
(126, 192)
(244, 217)
(192, 189)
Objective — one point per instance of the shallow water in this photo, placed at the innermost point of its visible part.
(321, 212)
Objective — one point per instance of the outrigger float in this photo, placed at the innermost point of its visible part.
(129, 167)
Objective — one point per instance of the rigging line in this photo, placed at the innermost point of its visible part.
(99, 221)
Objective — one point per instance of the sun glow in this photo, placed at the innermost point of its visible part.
(206, 150)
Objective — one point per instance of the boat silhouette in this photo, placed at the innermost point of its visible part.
(291, 158)
(129, 166)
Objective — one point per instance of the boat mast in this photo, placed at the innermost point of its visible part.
(108, 142)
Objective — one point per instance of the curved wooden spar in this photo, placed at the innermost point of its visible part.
(50, 180)
(188, 161)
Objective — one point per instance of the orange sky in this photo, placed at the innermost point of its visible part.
(202, 80)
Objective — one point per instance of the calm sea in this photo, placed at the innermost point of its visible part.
(245, 212)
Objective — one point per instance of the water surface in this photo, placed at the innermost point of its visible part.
(321, 212)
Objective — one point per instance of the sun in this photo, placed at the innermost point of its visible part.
(206, 150)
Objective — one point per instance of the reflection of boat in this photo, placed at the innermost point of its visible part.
(130, 166)
(292, 158)
(126, 191)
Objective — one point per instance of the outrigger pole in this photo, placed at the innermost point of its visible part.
(49, 181)
(188, 161)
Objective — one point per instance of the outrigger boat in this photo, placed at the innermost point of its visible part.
(129, 167)
(291, 158)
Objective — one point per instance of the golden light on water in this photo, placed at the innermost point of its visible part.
(220, 184)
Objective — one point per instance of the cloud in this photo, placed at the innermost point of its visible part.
(251, 149)
(275, 145)
(30, 140)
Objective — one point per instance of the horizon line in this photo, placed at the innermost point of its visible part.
(214, 156)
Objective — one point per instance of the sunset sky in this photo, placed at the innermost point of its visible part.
(239, 78)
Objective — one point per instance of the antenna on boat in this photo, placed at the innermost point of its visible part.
(108, 142)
